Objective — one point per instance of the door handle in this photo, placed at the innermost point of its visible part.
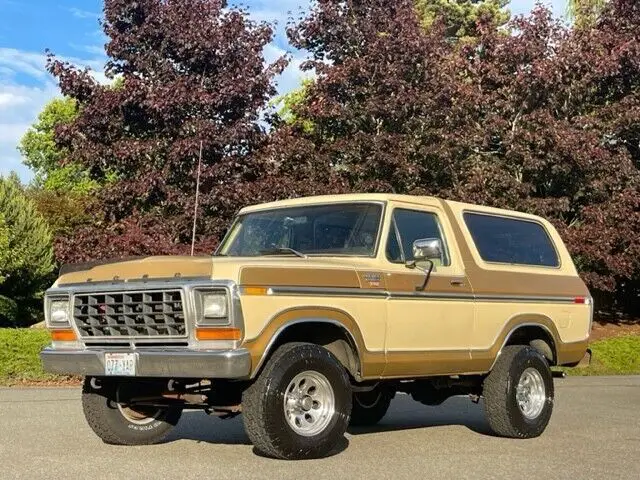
(457, 282)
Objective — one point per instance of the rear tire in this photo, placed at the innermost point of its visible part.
(299, 406)
(370, 407)
(116, 423)
(518, 393)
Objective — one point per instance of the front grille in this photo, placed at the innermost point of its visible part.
(130, 314)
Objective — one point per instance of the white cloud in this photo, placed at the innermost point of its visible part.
(292, 76)
(25, 87)
(98, 50)
(28, 63)
(19, 107)
(79, 13)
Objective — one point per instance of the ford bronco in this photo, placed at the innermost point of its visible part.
(313, 313)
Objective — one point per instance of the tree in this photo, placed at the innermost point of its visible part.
(47, 159)
(552, 129)
(462, 16)
(64, 211)
(372, 101)
(193, 84)
(26, 256)
(585, 12)
(288, 103)
(544, 120)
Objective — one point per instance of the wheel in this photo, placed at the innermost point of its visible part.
(370, 407)
(117, 423)
(299, 406)
(518, 393)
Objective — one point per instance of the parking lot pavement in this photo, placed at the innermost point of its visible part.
(594, 433)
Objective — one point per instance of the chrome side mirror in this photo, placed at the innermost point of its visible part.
(427, 249)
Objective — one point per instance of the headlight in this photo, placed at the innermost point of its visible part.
(214, 306)
(59, 313)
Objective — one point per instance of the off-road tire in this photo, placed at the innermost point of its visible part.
(107, 421)
(263, 404)
(370, 407)
(499, 390)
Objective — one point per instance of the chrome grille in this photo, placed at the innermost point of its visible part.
(130, 314)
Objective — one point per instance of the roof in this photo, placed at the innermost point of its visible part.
(353, 197)
(388, 197)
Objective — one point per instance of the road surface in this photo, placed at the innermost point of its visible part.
(594, 434)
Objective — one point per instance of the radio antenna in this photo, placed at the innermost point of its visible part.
(195, 209)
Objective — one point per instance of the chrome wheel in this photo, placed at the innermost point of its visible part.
(309, 403)
(530, 393)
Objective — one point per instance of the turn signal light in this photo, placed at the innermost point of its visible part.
(218, 334)
(63, 336)
(255, 290)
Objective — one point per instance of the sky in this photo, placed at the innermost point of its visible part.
(71, 29)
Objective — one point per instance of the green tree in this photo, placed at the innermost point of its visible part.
(4, 247)
(46, 157)
(26, 255)
(461, 16)
(585, 12)
(288, 113)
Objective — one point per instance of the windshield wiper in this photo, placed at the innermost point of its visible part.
(283, 250)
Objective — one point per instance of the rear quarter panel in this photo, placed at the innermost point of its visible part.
(509, 295)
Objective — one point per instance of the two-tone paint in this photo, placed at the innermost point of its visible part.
(457, 325)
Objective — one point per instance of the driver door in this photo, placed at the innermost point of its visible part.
(428, 331)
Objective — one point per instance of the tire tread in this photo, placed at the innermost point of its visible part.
(260, 427)
(496, 390)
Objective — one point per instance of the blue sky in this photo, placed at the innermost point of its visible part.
(70, 28)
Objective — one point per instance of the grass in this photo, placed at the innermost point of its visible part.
(19, 359)
(20, 363)
(613, 356)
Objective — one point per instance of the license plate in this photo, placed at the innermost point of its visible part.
(120, 364)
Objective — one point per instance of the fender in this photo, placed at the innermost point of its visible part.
(485, 359)
(260, 347)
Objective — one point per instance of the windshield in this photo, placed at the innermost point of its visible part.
(329, 230)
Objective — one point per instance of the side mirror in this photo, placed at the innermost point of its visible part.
(427, 249)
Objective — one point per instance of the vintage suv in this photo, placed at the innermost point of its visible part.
(314, 312)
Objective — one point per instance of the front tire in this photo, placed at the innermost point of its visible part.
(118, 423)
(299, 406)
(518, 393)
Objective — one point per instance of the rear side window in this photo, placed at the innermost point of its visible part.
(511, 240)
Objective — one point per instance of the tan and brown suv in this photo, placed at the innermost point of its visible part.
(314, 312)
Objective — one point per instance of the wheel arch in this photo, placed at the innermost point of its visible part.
(537, 331)
(329, 330)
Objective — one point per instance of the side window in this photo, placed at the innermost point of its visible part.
(407, 226)
(511, 240)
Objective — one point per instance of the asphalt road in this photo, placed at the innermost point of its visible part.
(594, 433)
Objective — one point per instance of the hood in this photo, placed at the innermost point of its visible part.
(254, 270)
(139, 268)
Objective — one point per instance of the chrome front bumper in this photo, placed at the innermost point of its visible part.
(232, 364)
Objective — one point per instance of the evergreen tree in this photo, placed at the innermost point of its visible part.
(26, 256)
